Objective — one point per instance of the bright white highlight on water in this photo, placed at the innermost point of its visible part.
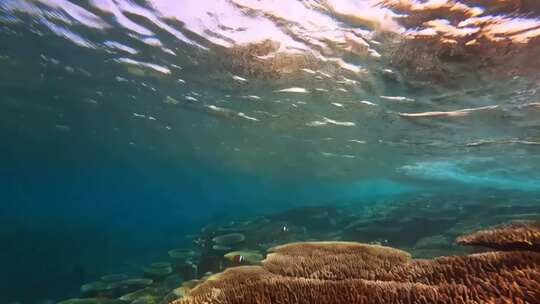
(293, 90)
(397, 98)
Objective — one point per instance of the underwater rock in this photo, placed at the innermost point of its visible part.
(348, 272)
(251, 257)
(513, 236)
(229, 239)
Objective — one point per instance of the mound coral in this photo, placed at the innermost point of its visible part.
(346, 272)
(333, 260)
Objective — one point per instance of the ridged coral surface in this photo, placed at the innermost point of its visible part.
(513, 236)
(345, 272)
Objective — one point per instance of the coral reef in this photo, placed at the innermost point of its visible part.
(337, 272)
(333, 260)
(513, 236)
(281, 258)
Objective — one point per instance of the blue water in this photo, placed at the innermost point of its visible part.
(127, 126)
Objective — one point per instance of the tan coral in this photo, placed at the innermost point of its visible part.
(333, 260)
(243, 285)
(518, 235)
(256, 285)
(345, 272)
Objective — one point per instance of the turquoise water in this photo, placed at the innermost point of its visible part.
(128, 126)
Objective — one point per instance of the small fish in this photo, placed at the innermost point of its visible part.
(238, 259)
(249, 257)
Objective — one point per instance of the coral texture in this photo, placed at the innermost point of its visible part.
(514, 236)
(346, 272)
